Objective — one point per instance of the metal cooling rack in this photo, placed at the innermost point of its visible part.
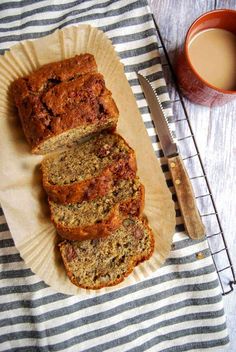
(214, 232)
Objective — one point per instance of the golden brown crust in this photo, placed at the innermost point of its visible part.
(133, 264)
(124, 168)
(62, 96)
(60, 71)
(132, 207)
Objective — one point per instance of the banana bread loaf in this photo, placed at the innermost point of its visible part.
(88, 170)
(102, 262)
(99, 217)
(62, 103)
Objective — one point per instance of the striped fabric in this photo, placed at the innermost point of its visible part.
(180, 307)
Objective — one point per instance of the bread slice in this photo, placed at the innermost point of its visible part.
(89, 170)
(103, 262)
(62, 103)
(99, 217)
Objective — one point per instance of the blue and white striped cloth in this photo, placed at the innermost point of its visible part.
(180, 307)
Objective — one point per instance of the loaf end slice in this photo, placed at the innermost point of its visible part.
(93, 264)
(89, 170)
(99, 217)
(63, 103)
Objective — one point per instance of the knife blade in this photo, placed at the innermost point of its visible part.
(183, 187)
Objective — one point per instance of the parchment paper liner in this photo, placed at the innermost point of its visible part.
(21, 194)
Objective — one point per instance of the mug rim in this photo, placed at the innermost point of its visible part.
(186, 42)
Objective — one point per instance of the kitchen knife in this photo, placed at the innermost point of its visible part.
(184, 191)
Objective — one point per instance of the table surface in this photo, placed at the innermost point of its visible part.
(214, 128)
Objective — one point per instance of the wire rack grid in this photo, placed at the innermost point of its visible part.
(214, 231)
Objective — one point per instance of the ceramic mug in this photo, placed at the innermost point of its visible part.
(193, 86)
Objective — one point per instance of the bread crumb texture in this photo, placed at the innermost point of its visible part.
(98, 263)
(96, 211)
(86, 160)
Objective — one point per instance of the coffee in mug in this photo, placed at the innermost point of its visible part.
(212, 53)
(206, 67)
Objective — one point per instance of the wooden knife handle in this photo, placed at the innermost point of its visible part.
(186, 198)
